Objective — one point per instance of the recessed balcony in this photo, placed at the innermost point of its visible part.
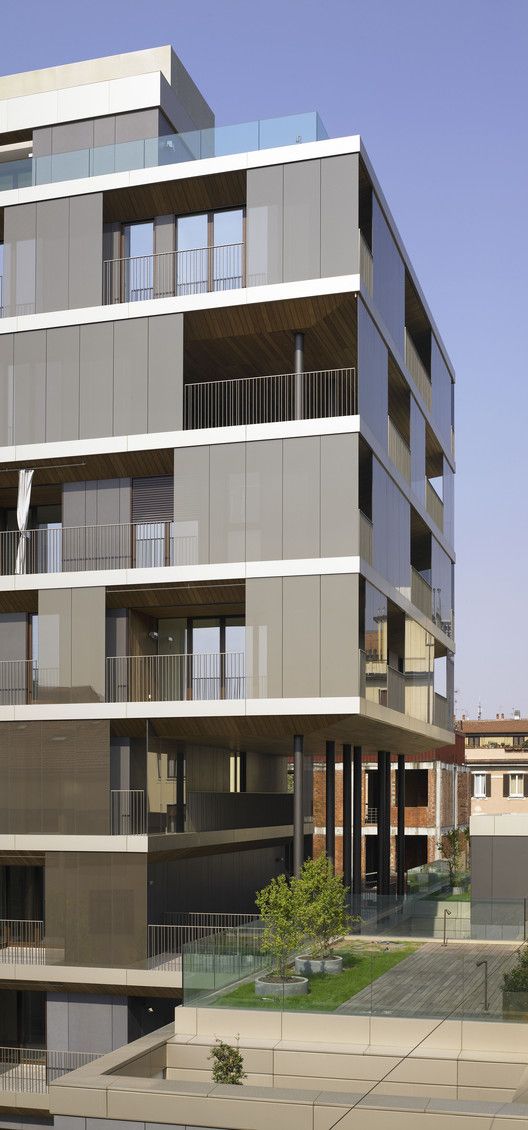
(169, 274)
(270, 399)
(126, 545)
(399, 451)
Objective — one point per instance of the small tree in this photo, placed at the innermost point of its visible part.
(321, 898)
(278, 907)
(516, 979)
(451, 848)
(228, 1065)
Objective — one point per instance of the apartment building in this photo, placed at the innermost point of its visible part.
(435, 798)
(226, 506)
(497, 757)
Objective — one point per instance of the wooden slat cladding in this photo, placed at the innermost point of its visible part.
(179, 197)
(229, 595)
(153, 499)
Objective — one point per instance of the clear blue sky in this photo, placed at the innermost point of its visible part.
(439, 91)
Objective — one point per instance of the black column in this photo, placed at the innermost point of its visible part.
(298, 805)
(347, 817)
(180, 788)
(330, 801)
(356, 831)
(400, 843)
(383, 822)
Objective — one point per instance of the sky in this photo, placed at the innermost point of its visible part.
(438, 90)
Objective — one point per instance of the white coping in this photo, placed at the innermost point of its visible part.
(98, 99)
(181, 304)
(91, 975)
(41, 842)
(499, 824)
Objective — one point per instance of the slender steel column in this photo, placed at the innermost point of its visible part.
(383, 822)
(298, 804)
(356, 830)
(330, 801)
(299, 370)
(180, 787)
(400, 843)
(347, 817)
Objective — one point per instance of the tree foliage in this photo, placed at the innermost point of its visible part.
(516, 979)
(228, 1065)
(278, 907)
(452, 848)
(322, 905)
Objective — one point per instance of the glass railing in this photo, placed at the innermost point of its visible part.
(151, 152)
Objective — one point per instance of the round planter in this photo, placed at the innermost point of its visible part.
(310, 965)
(297, 988)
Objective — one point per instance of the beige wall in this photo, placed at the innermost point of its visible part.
(71, 644)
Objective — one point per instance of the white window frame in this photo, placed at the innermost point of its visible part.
(518, 777)
(481, 793)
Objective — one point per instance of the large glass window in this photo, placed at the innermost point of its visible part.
(139, 262)
(210, 251)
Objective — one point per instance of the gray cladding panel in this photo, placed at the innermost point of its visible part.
(96, 380)
(264, 225)
(301, 636)
(339, 495)
(191, 498)
(13, 635)
(62, 383)
(339, 638)
(88, 629)
(301, 512)
(53, 221)
(130, 376)
(339, 215)
(20, 227)
(165, 373)
(30, 387)
(264, 636)
(86, 250)
(264, 500)
(228, 502)
(389, 276)
(302, 220)
(7, 390)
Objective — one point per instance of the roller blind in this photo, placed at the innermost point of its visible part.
(153, 499)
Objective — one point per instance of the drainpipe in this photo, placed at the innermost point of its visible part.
(299, 370)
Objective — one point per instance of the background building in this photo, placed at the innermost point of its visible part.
(497, 757)
(226, 514)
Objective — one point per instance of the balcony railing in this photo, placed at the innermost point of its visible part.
(269, 399)
(365, 537)
(434, 505)
(371, 815)
(418, 370)
(441, 713)
(127, 545)
(128, 812)
(174, 273)
(421, 594)
(31, 1070)
(21, 681)
(365, 263)
(22, 942)
(175, 678)
(166, 941)
(399, 451)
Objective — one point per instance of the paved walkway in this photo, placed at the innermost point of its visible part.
(438, 980)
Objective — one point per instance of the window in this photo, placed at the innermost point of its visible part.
(479, 785)
(516, 785)
(210, 249)
(138, 261)
(237, 772)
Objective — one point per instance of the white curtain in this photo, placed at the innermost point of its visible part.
(25, 479)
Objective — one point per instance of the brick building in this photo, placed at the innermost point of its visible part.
(437, 799)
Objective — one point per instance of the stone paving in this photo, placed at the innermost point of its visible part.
(439, 980)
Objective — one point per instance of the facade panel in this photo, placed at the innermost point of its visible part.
(265, 225)
(96, 380)
(302, 221)
(339, 215)
(30, 387)
(301, 637)
(62, 383)
(301, 534)
(130, 376)
(86, 250)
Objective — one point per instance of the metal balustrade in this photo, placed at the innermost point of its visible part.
(263, 400)
(174, 273)
(434, 505)
(418, 370)
(399, 451)
(22, 941)
(22, 681)
(128, 812)
(166, 940)
(371, 815)
(126, 545)
(421, 593)
(31, 1070)
(175, 678)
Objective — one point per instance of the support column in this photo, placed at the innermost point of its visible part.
(383, 822)
(299, 370)
(400, 842)
(347, 817)
(356, 831)
(330, 801)
(298, 805)
(180, 787)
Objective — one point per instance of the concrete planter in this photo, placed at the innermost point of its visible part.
(311, 965)
(296, 988)
(515, 1004)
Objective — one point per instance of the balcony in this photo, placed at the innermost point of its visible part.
(421, 593)
(132, 813)
(264, 400)
(176, 678)
(399, 451)
(382, 683)
(442, 715)
(174, 274)
(129, 545)
(418, 371)
(22, 942)
(434, 505)
(31, 1070)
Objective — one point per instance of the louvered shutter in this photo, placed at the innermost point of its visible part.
(153, 499)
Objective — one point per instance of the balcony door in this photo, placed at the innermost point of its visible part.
(210, 251)
(138, 263)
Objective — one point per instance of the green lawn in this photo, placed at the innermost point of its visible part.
(362, 965)
(464, 896)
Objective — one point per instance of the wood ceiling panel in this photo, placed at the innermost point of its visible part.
(178, 197)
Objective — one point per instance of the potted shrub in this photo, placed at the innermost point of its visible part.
(515, 988)
(321, 900)
(228, 1065)
(282, 934)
